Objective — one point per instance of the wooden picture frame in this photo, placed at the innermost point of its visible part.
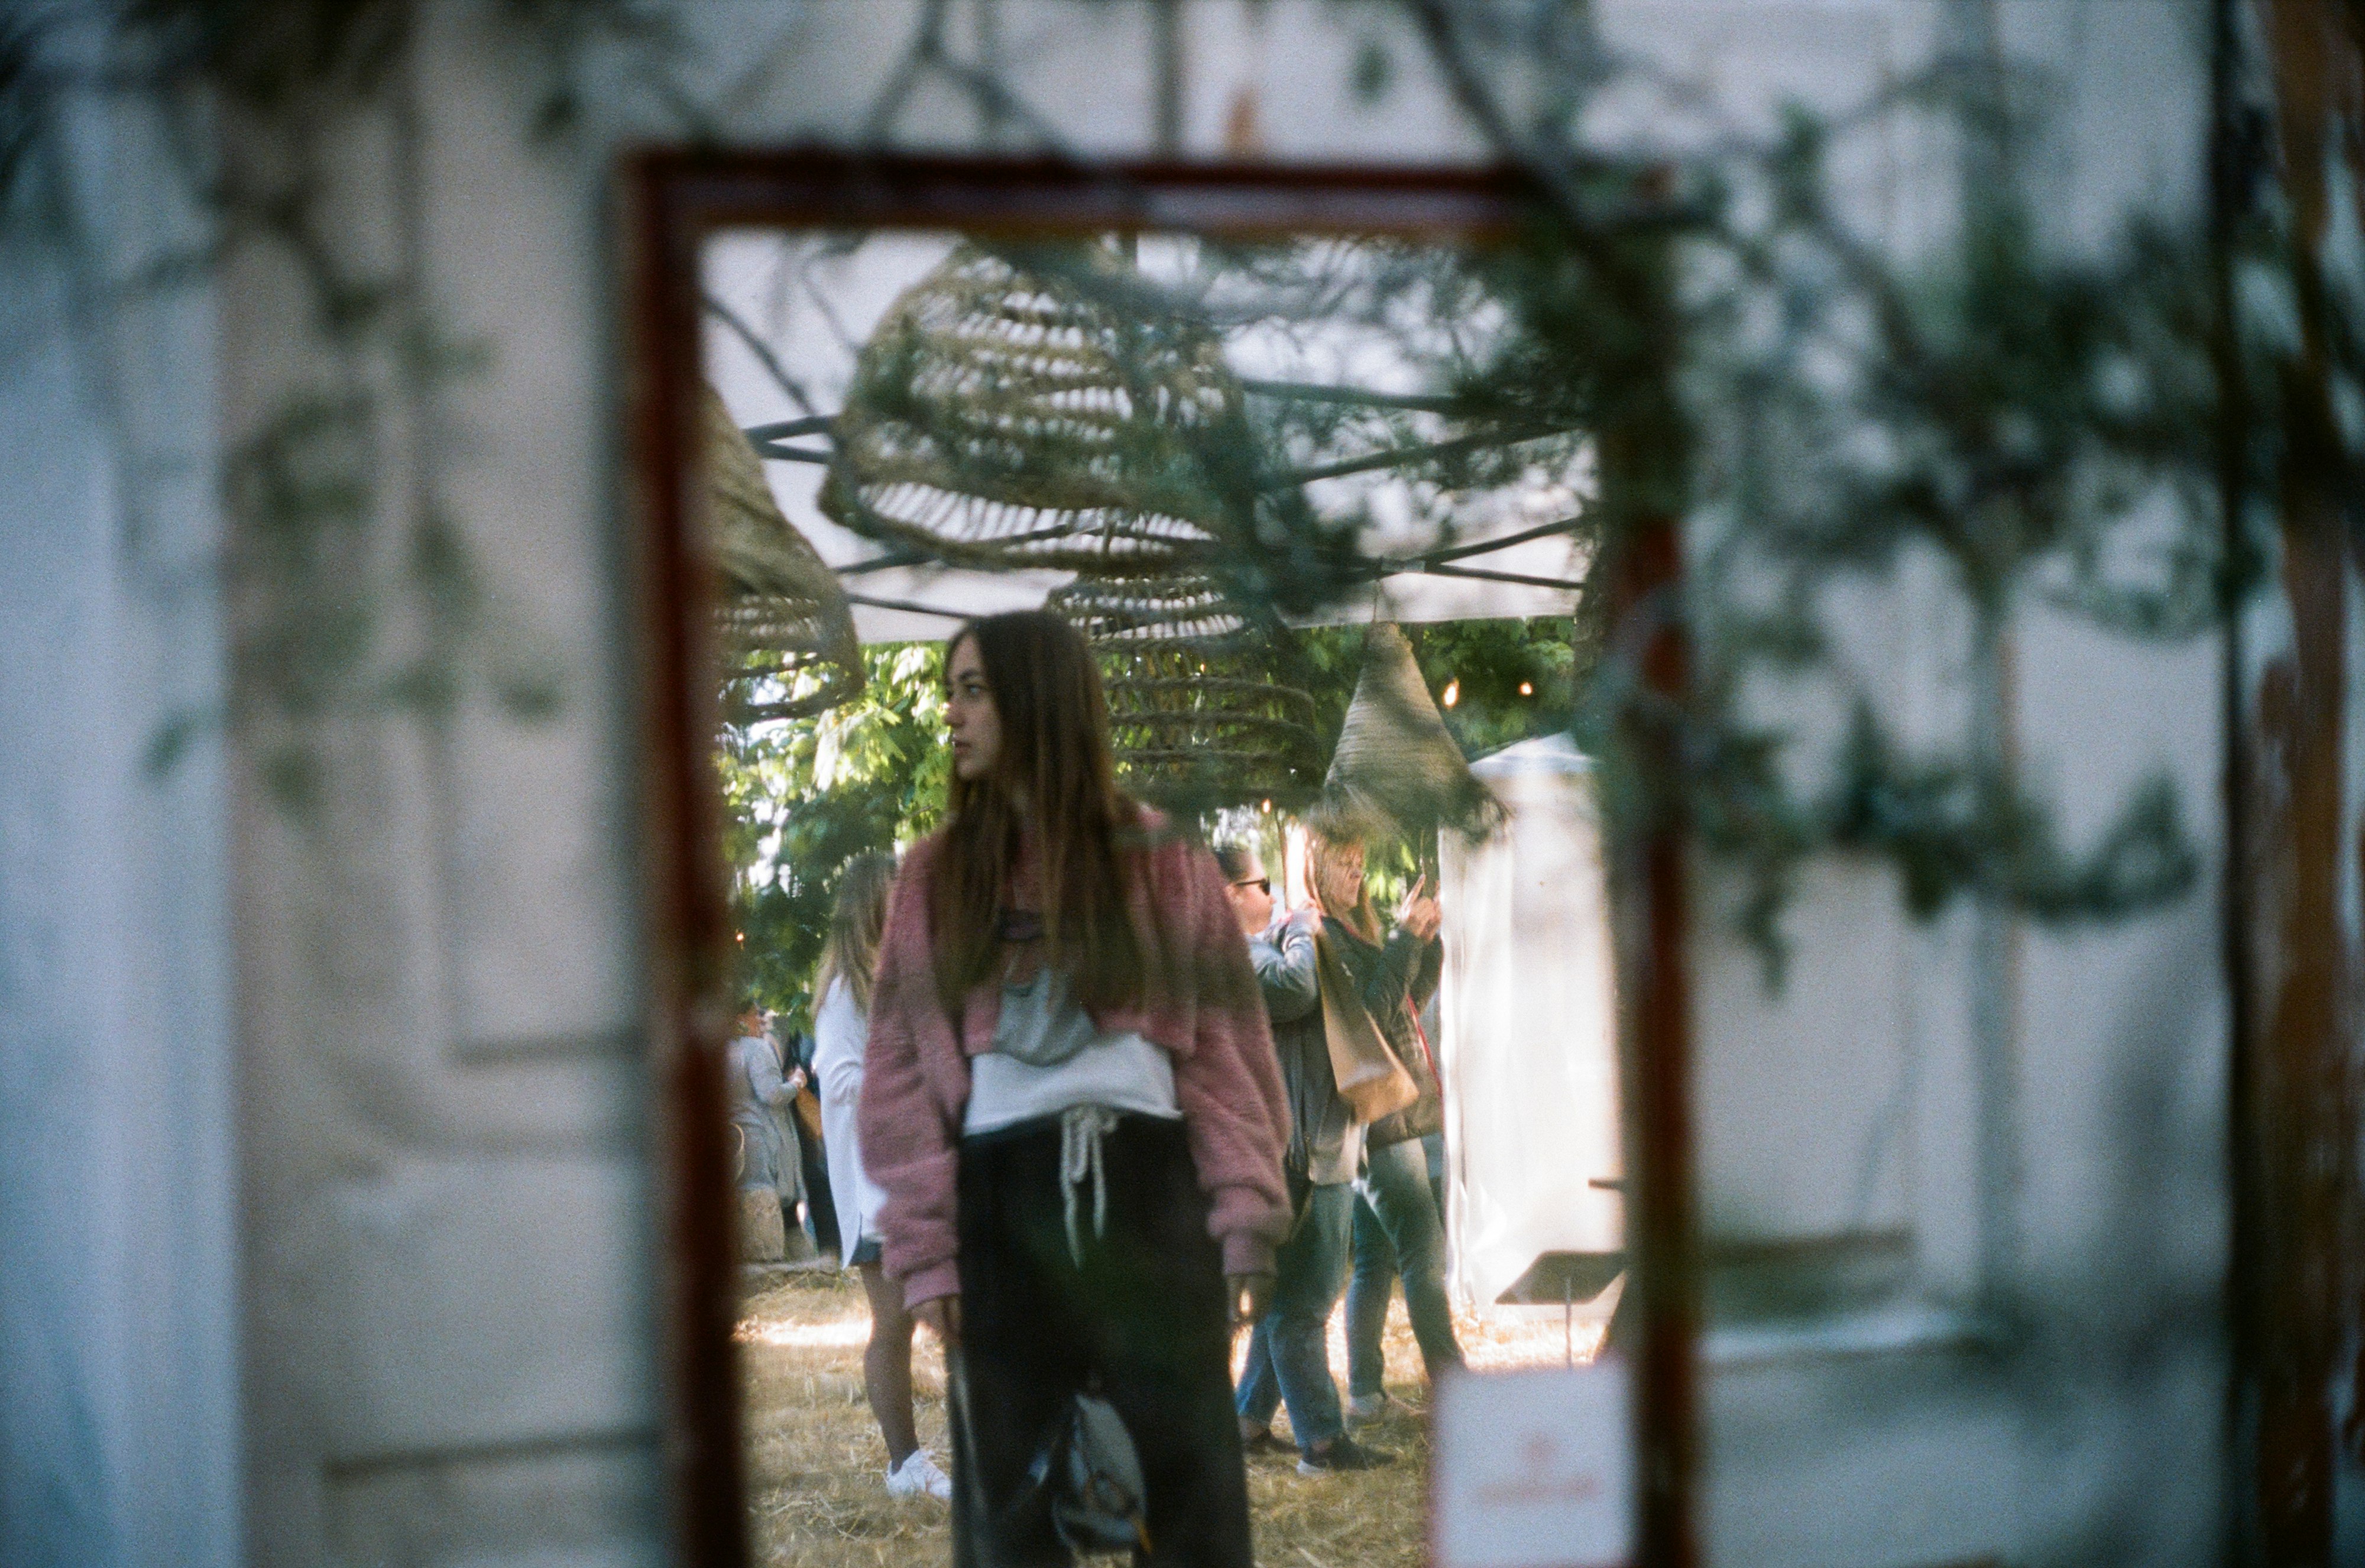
(671, 202)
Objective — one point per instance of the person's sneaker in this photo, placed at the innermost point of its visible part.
(1362, 1408)
(918, 1476)
(1342, 1454)
(1262, 1441)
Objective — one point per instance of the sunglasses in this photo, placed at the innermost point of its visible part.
(1262, 884)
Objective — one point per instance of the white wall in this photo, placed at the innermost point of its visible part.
(2010, 1356)
(446, 1237)
(448, 1221)
(119, 1438)
(451, 1333)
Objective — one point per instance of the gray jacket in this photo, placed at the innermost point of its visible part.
(1324, 1142)
(761, 1098)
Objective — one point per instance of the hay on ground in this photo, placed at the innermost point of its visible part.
(816, 1467)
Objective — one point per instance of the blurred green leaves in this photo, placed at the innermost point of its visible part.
(804, 796)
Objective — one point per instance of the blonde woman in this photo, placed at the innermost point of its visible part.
(1397, 1227)
(1289, 1355)
(841, 1035)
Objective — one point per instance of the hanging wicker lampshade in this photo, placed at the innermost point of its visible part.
(1002, 419)
(780, 614)
(1195, 715)
(1397, 768)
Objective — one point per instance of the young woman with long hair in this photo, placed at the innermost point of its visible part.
(1289, 1355)
(841, 1032)
(1073, 1107)
(1395, 1225)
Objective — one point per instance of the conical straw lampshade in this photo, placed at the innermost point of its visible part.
(1397, 769)
(780, 612)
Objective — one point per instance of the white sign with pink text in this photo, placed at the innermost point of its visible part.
(1533, 1469)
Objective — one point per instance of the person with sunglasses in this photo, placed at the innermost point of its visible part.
(1289, 1351)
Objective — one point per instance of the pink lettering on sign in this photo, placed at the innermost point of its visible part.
(1533, 1469)
(1545, 1477)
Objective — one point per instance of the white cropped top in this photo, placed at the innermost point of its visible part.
(1122, 1071)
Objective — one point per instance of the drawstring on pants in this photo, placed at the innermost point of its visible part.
(1081, 1130)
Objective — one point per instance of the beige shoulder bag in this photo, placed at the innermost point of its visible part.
(1370, 1080)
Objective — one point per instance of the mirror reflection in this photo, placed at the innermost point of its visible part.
(1175, 1088)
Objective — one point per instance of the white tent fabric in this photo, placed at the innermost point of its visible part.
(1529, 1048)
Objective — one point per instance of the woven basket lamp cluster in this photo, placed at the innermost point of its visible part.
(1004, 418)
(780, 617)
(1195, 717)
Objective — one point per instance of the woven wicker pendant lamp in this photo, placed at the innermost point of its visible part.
(779, 613)
(1397, 768)
(1197, 717)
(1004, 419)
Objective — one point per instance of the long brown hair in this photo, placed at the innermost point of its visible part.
(856, 923)
(1054, 754)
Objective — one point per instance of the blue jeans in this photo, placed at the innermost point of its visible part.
(1397, 1230)
(1289, 1354)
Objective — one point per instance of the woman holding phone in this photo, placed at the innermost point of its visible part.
(1397, 1229)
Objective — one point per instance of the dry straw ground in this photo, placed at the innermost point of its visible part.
(816, 1466)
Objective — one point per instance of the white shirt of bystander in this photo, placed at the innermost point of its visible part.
(841, 1033)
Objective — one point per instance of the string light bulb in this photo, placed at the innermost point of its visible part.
(1453, 691)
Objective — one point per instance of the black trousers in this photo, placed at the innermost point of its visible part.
(1140, 1320)
(819, 1200)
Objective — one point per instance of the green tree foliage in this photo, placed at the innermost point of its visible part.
(2038, 426)
(802, 797)
(1476, 670)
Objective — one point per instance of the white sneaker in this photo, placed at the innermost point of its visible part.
(917, 1476)
(1362, 1408)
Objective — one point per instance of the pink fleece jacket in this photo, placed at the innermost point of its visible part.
(1226, 1081)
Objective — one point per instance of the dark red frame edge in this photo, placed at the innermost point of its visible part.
(685, 915)
(1651, 883)
(672, 199)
